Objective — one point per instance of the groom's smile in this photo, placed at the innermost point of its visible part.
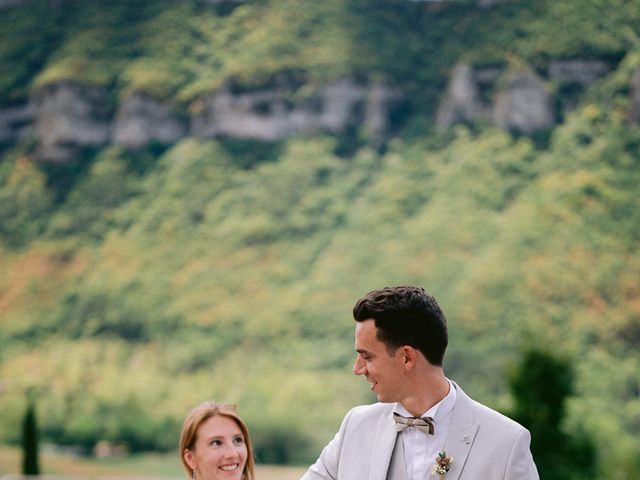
(383, 371)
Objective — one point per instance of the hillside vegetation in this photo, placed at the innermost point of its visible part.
(135, 284)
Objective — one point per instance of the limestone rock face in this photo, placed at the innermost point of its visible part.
(523, 105)
(273, 113)
(380, 101)
(515, 100)
(580, 71)
(142, 120)
(462, 102)
(15, 123)
(70, 116)
(66, 117)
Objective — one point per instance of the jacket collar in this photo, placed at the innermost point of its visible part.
(462, 433)
(383, 445)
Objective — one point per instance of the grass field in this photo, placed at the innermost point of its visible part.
(148, 465)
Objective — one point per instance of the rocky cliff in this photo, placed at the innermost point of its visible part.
(84, 102)
(65, 117)
(516, 99)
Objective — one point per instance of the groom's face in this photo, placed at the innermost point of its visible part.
(383, 371)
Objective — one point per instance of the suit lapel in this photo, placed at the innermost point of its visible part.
(462, 432)
(383, 444)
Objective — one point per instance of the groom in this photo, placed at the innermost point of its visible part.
(424, 424)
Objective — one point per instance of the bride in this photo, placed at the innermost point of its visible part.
(215, 444)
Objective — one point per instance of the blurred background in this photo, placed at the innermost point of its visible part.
(193, 194)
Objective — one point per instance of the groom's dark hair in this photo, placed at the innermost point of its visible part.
(406, 315)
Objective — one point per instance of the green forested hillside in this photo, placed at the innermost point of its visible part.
(135, 284)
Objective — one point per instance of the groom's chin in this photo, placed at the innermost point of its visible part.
(381, 397)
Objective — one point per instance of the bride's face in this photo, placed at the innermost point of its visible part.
(220, 451)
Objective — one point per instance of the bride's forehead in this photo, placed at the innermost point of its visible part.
(218, 425)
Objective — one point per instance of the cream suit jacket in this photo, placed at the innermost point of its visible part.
(484, 444)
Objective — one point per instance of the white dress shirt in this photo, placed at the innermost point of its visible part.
(420, 449)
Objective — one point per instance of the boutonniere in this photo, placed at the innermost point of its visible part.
(442, 465)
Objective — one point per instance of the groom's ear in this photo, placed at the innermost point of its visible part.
(409, 357)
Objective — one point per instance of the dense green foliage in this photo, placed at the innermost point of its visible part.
(30, 460)
(181, 49)
(134, 285)
(541, 386)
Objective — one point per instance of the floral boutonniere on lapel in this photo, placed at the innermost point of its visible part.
(442, 465)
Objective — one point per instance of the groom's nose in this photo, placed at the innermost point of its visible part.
(359, 366)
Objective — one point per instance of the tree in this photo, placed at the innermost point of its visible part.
(25, 203)
(540, 386)
(30, 464)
